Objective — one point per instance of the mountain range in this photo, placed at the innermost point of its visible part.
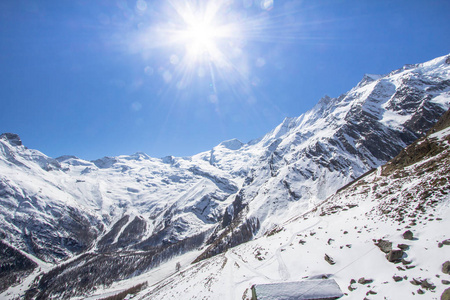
(71, 227)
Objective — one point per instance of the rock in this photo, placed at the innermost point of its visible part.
(352, 281)
(384, 245)
(394, 255)
(408, 235)
(371, 293)
(362, 280)
(446, 242)
(446, 295)
(446, 282)
(427, 285)
(329, 259)
(403, 246)
(12, 138)
(351, 288)
(330, 241)
(423, 283)
(446, 267)
(406, 262)
(397, 278)
(420, 292)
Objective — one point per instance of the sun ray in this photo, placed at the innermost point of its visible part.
(218, 43)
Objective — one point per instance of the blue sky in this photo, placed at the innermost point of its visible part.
(105, 77)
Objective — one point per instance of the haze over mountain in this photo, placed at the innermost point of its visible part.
(88, 224)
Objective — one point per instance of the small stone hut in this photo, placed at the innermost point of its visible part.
(321, 289)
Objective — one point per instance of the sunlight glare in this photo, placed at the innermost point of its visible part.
(213, 41)
(203, 31)
(201, 36)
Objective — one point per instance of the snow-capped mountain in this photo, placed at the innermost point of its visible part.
(384, 236)
(130, 213)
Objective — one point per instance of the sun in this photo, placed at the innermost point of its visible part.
(204, 31)
(200, 37)
(206, 45)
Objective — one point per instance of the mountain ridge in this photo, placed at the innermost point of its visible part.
(353, 234)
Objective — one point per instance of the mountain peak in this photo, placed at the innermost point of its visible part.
(368, 78)
(12, 138)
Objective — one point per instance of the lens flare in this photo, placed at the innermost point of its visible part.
(205, 31)
(216, 44)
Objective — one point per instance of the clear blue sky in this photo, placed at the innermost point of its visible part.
(96, 78)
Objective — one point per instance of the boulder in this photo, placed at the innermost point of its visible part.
(403, 246)
(394, 255)
(446, 267)
(446, 295)
(329, 259)
(427, 285)
(384, 245)
(408, 235)
(362, 280)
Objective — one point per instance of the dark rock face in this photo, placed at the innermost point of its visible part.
(239, 231)
(50, 239)
(130, 236)
(420, 149)
(132, 233)
(108, 239)
(13, 138)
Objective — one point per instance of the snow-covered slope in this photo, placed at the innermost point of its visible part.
(306, 159)
(56, 209)
(358, 236)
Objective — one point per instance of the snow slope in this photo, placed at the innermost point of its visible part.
(345, 230)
